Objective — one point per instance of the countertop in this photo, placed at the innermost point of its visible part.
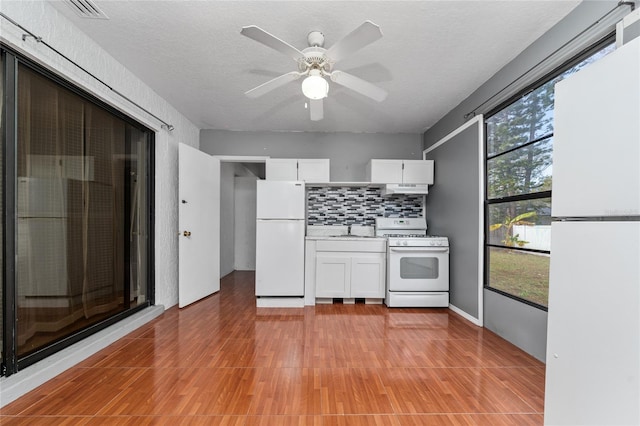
(344, 238)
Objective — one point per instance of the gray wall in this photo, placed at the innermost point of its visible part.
(515, 321)
(348, 152)
(524, 325)
(452, 210)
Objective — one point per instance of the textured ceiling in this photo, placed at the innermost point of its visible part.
(432, 56)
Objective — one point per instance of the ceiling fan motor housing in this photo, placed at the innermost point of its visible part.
(315, 58)
(315, 39)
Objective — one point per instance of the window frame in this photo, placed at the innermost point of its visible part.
(591, 50)
(10, 363)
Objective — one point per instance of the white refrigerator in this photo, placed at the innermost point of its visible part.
(280, 214)
(593, 332)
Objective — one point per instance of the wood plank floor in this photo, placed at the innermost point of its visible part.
(222, 361)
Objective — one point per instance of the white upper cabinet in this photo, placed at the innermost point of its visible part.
(400, 171)
(313, 170)
(417, 171)
(306, 169)
(384, 171)
(281, 169)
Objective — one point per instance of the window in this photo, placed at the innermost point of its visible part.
(518, 195)
(81, 220)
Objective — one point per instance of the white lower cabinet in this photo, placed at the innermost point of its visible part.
(368, 275)
(333, 275)
(350, 274)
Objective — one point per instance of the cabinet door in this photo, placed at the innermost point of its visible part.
(313, 170)
(281, 169)
(385, 171)
(418, 171)
(368, 275)
(333, 275)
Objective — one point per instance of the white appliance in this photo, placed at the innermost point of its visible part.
(42, 240)
(405, 188)
(280, 214)
(593, 332)
(417, 264)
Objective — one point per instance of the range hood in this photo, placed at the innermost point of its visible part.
(405, 188)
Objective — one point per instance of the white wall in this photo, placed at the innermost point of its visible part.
(245, 223)
(43, 20)
(227, 218)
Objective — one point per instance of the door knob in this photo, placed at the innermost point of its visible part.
(187, 233)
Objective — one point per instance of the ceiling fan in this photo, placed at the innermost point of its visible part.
(315, 63)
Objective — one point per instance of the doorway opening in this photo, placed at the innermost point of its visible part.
(238, 177)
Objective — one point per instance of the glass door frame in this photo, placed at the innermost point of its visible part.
(10, 362)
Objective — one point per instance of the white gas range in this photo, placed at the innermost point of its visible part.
(417, 264)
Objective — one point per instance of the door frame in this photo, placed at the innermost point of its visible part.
(235, 159)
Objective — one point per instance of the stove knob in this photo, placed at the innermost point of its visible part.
(404, 243)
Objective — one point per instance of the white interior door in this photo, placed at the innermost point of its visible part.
(199, 248)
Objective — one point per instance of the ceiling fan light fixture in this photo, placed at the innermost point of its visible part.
(315, 87)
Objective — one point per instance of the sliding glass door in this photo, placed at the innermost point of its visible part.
(81, 216)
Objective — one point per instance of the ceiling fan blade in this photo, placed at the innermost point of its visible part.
(359, 85)
(357, 39)
(272, 84)
(261, 36)
(316, 109)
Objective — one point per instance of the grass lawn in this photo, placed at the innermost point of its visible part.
(522, 274)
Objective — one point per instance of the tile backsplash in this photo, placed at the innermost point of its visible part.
(335, 205)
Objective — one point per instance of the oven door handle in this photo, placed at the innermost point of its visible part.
(419, 249)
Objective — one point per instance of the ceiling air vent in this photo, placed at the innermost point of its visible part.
(86, 9)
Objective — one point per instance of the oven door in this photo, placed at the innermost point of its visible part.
(418, 269)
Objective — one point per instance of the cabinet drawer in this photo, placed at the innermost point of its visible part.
(355, 245)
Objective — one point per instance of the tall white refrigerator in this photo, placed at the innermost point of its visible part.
(280, 214)
(593, 334)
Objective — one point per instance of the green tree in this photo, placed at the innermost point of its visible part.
(511, 240)
(524, 170)
(528, 119)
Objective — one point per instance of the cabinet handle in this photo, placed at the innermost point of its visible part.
(187, 233)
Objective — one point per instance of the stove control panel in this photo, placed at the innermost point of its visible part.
(419, 242)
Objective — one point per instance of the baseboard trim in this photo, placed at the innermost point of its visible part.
(24, 381)
(465, 315)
